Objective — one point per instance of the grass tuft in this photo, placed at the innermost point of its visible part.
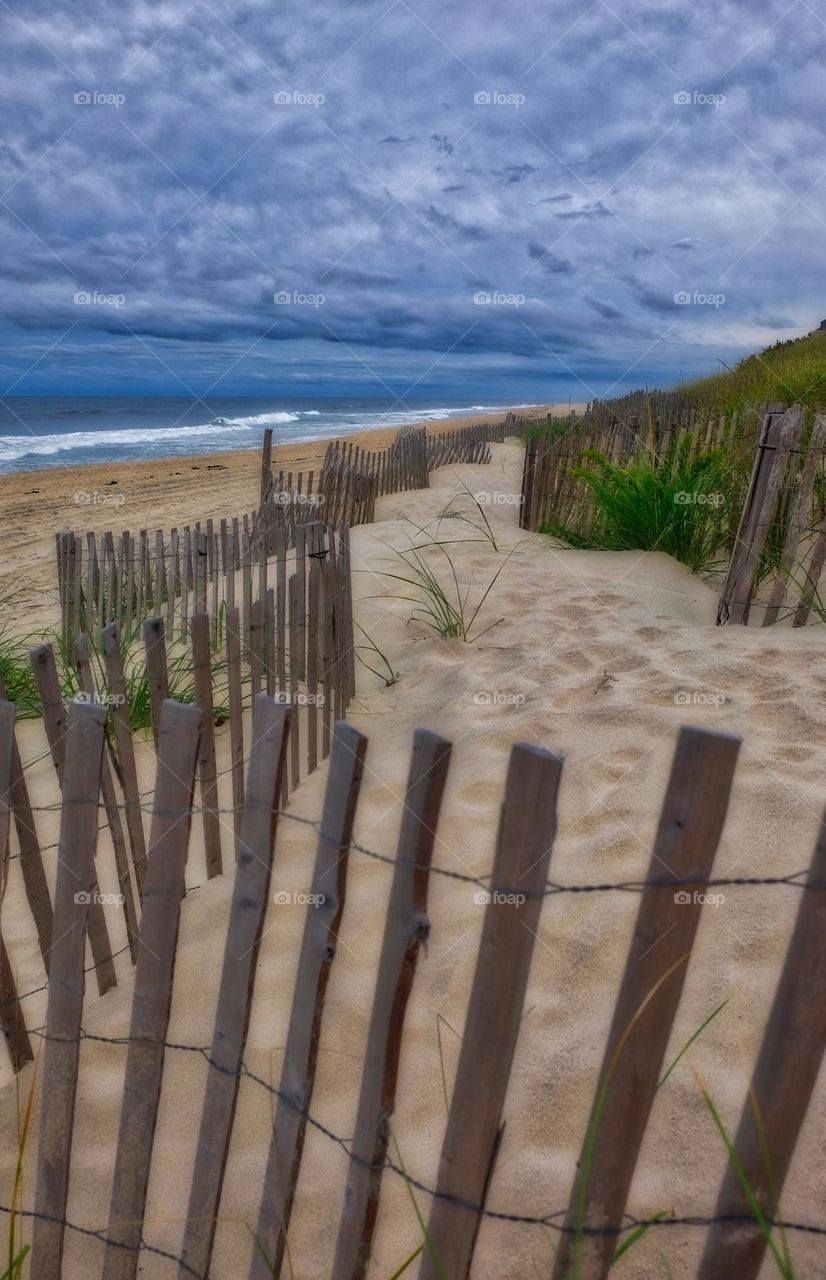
(687, 509)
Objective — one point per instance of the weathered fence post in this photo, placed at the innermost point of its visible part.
(527, 828)
(178, 731)
(58, 1071)
(318, 949)
(406, 928)
(689, 829)
(249, 905)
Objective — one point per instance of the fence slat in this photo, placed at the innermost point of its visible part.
(318, 949)
(7, 714)
(31, 859)
(236, 720)
(207, 770)
(295, 662)
(249, 903)
(116, 680)
(782, 435)
(110, 804)
(58, 1071)
(12, 1022)
(689, 829)
(157, 672)
(55, 722)
(406, 927)
(781, 1089)
(812, 576)
(797, 521)
(523, 852)
(179, 727)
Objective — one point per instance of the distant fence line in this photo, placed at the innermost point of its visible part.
(691, 821)
(352, 478)
(125, 577)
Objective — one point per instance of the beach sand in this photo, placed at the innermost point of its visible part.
(600, 657)
(158, 493)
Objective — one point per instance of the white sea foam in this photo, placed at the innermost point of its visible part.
(261, 419)
(221, 433)
(14, 447)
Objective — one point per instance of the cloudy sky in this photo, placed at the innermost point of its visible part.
(400, 197)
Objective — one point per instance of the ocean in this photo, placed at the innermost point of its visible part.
(51, 431)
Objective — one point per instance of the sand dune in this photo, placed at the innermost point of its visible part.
(598, 656)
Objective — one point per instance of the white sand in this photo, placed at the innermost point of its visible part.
(572, 620)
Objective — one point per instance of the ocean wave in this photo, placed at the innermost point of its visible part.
(219, 434)
(14, 447)
(259, 419)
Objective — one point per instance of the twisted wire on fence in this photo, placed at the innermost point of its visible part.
(555, 1219)
(552, 889)
(483, 882)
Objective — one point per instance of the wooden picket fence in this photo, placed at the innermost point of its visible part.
(352, 478)
(205, 567)
(301, 653)
(778, 553)
(553, 496)
(686, 839)
(782, 533)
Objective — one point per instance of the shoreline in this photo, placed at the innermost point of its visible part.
(156, 493)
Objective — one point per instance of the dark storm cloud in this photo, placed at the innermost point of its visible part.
(447, 222)
(597, 210)
(549, 261)
(513, 173)
(179, 166)
(604, 309)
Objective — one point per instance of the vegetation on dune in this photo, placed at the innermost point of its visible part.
(21, 686)
(689, 510)
(792, 372)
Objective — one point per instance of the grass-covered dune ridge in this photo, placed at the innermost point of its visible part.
(792, 372)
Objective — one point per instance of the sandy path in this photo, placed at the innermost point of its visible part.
(601, 657)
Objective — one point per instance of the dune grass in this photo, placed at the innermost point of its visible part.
(442, 608)
(21, 687)
(791, 372)
(780, 1256)
(688, 510)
